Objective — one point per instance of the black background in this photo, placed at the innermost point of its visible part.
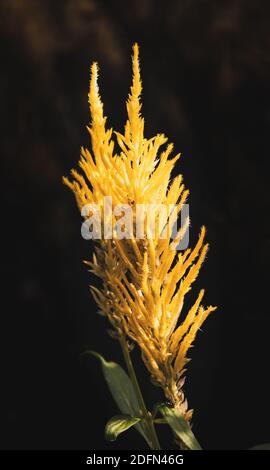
(206, 70)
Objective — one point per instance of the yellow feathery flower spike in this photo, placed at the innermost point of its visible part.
(145, 280)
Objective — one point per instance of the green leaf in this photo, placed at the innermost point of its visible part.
(119, 384)
(180, 426)
(261, 447)
(122, 390)
(119, 424)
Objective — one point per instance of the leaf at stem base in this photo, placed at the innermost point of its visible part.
(179, 426)
(119, 424)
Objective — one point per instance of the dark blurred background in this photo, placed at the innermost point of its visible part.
(206, 79)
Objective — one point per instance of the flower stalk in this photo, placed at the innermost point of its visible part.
(152, 436)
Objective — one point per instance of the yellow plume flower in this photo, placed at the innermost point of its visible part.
(144, 280)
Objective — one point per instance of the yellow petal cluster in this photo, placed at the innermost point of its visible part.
(144, 281)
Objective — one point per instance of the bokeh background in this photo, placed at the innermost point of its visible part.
(206, 79)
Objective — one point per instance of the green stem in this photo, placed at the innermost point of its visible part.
(147, 416)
